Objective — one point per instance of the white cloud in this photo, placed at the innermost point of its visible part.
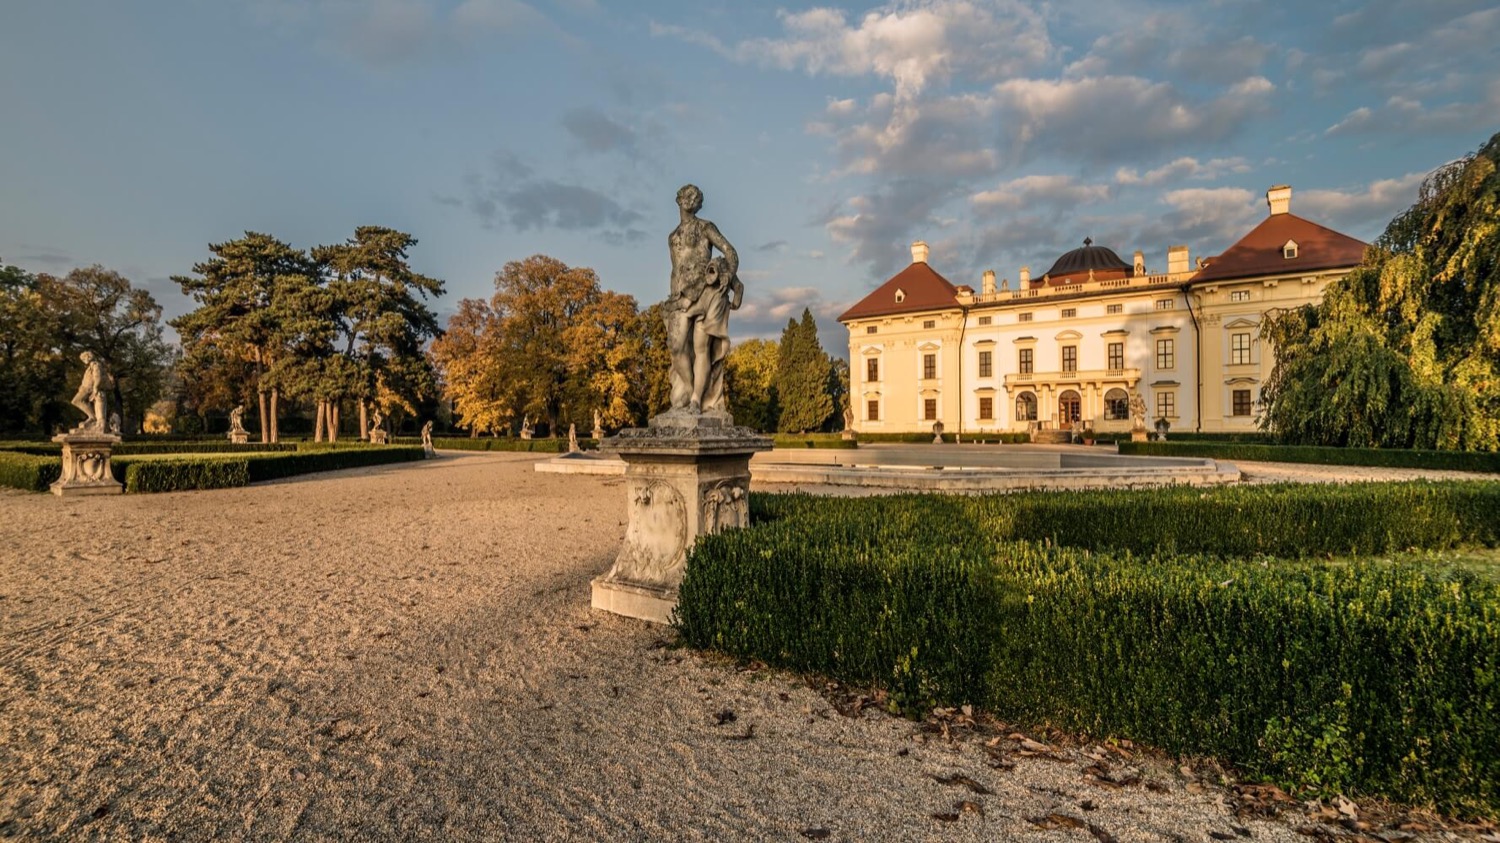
(1182, 168)
(1404, 115)
(1378, 201)
(1032, 190)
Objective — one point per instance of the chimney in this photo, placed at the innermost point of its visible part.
(989, 282)
(1177, 259)
(1279, 199)
(1140, 263)
(919, 252)
(1025, 277)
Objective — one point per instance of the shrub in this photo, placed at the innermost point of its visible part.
(540, 446)
(1382, 457)
(131, 448)
(1356, 676)
(812, 440)
(181, 474)
(275, 466)
(29, 472)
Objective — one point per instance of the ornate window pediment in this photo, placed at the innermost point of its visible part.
(1242, 323)
(1069, 335)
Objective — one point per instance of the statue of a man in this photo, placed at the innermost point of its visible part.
(237, 419)
(376, 420)
(704, 289)
(1137, 412)
(91, 398)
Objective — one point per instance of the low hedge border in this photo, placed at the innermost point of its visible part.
(1378, 457)
(28, 472)
(539, 446)
(1358, 676)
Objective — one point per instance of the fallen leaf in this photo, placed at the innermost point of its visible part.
(966, 807)
(1056, 820)
(742, 736)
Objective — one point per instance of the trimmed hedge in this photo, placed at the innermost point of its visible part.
(180, 473)
(29, 472)
(949, 437)
(540, 446)
(1380, 457)
(129, 448)
(812, 440)
(1358, 676)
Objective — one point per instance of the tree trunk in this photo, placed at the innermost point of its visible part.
(275, 414)
(333, 422)
(364, 422)
(318, 423)
(265, 427)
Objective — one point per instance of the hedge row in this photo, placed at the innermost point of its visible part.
(29, 472)
(1359, 676)
(1382, 457)
(540, 446)
(275, 466)
(968, 438)
(812, 440)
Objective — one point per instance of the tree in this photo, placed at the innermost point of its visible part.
(802, 373)
(467, 354)
(100, 311)
(652, 392)
(604, 349)
(749, 380)
(32, 366)
(1404, 352)
(245, 296)
(383, 317)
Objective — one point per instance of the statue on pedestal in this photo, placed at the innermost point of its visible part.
(598, 426)
(377, 431)
(91, 397)
(427, 449)
(526, 427)
(1137, 418)
(573, 439)
(237, 432)
(704, 289)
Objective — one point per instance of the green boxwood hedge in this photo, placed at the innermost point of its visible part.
(180, 473)
(1380, 457)
(460, 443)
(1061, 609)
(29, 472)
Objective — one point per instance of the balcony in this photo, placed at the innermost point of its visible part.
(1112, 377)
(1140, 282)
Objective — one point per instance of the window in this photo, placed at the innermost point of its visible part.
(929, 324)
(985, 320)
(986, 364)
(1240, 295)
(1166, 354)
(1241, 402)
(1239, 349)
(1025, 407)
(1116, 356)
(1025, 366)
(1116, 405)
(1114, 308)
(1069, 312)
(929, 409)
(1023, 317)
(872, 369)
(870, 329)
(1070, 358)
(929, 366)
(900, 296)
(1289, 251)
(986, 408)
(1166, 405)
(1165, 304)
(872, 410)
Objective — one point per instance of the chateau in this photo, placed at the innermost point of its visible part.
(1068, 349)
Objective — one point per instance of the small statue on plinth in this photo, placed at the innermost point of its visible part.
(427, 450)
(526, 431)
(937, 433)
(573, 439)
(1137, 418)
(848, 420)
(377, 429)
(237, 432)
(598, 426)
(86, 448)
(1162, 426)
(704, 289)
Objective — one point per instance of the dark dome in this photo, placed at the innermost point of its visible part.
(1088, 257)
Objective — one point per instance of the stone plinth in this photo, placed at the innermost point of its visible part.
(377, 437)
(239, 437)
(85, 464)
(686, 476)
(1138, 435)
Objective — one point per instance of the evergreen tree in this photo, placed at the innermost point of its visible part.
(1404, 352)
(802, 372)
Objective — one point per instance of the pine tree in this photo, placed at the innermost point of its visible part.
(802, 377)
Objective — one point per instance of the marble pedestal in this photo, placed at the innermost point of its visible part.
(1138, 435)
(378, 437)
(85, 464)
(685, 476)
(239, 437)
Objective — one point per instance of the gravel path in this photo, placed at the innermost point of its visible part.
(407, 653)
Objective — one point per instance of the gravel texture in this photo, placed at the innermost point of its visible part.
(407, 653)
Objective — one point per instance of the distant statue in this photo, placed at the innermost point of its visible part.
(848, 416)
(1137, 412)
(237, 420)
(526, 427)
(114, 424)
(598, 426)
(704, 289)
(573, 439)
(427, 449)
(937, 433)
(91, 396)
(377, 430)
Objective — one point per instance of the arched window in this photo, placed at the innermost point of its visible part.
(1116, 405)
(1069, 407)
(1026, 407)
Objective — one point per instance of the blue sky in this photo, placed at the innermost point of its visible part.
(826, 138)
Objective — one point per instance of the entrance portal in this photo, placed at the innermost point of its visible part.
(1069, 409)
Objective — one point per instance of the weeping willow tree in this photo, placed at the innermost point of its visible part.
(1404, 352)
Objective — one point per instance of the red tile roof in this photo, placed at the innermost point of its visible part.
(1259, 252)
(924, 290)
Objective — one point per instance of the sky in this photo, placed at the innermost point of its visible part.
(825, 138)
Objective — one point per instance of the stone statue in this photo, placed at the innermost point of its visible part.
(1137, 412)
(114, 424)
(377, 430)
(91, 398)
(573, 439)
(598, 426)
(937, 433)
(704, 289)
(848, 416)
(237, 420)
(427, 449)
(526, 427)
